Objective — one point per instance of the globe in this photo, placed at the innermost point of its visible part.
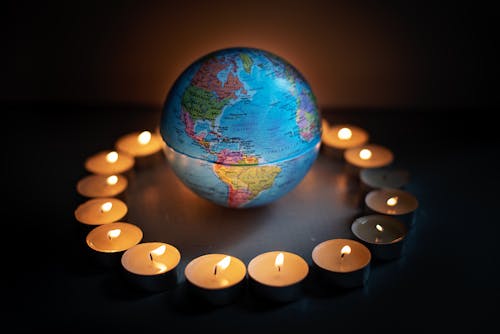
(241, 127)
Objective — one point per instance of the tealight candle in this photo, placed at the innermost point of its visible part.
(151, 266)
(393, 202)
(384, 177)
(342, 262)
(109, 163)
(278, 275)
(383, 235)
(368, 156)
(111, 240)
(338, 138)
(215, 278)
(99, 211)
(143, 146)
(96, 185)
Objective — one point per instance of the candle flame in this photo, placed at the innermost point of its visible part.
(112, 180)
(280, 259)
(114, 233)
(112, 157)
(365, 154)
(160, 266)
(344, 134)
(144, 138)
(392, 201)
(106, 207)
(379, 228)
(346, 250)
(159, 250)
(224, 263)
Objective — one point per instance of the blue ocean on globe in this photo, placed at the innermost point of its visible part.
(241, 127)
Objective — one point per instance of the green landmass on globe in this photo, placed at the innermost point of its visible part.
(242, 127)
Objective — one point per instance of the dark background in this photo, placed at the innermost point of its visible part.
(420, 76)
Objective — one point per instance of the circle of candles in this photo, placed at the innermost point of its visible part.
(368, 156)
(140, 145)
(111, 240)
(384, 177)
(383, 235)
(215, 278)
(151, 266)
(109, 163)
(99, 211)
(278, 275)
(344, 136)
(97, 185)
(342, 262)
(393, 202)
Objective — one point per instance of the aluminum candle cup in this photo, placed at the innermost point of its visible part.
(145, 147)
(96, 185)
(336, 139)
(215, 278)
(342, 262)
(397, 203)
(383, 235)
(277, 275)
(151, 266)
(367, 156)
(109, 163)
(108, 242)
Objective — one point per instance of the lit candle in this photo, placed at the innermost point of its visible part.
(151, 266)
(393, 202)
(110, 241)
(384, 177)
(278, 275)
(143, 146)
(215, 278)
(99, 211)
(342, 262)
(109, 163)
(383, 235)
(96, 185)
(369, 156)
(338, 138)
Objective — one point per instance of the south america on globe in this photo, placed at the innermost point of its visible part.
(241, 127)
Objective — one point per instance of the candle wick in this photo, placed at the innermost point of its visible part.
(342, 255)
(215, 270)
(279, 268)
(151, 256)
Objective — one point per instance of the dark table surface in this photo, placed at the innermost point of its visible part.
(447, 277)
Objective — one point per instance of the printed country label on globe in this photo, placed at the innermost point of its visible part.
(242, 127)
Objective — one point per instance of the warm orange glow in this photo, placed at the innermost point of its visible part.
(392, 201)
(112, 157)
(160, 266)
(346, 250)
(222, 264)
(114, 233)
(325, 125)
(280, 259)
(365, 154)
(144, 138)
(344, 134)
(159, 250)
(379, 228)
(106, 207)
(112, 180)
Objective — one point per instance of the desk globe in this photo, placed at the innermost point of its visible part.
(241, 127)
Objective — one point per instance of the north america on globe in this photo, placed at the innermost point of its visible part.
(242, 127)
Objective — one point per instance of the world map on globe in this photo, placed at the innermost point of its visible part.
(242, 127)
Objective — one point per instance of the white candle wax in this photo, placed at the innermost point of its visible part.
(384, 235)
(100, 211)
(114, 237)
(342, 262)
(369, 156)
(109, 163)
(101, 185)
(344, 136)
(140, 144)
(277, 275)
(384, 177)
(394, 202)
